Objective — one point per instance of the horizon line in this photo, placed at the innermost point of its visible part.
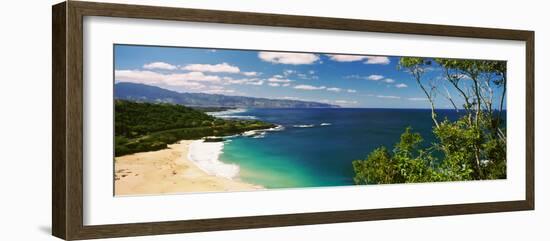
(282, 98)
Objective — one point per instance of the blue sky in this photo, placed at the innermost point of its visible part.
(345, 80)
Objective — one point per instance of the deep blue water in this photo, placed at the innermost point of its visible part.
(320, 155)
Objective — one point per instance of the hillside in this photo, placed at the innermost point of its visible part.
(147, 93)
(143, 127)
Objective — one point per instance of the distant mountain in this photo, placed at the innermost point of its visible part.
(147, 93)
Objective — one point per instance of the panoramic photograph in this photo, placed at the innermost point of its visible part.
(194, 120)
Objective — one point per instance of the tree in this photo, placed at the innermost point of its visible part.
(152, 126)
(404, 164)
(470, 148)
(417, 67)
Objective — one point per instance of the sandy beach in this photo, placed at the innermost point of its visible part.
(170, 171)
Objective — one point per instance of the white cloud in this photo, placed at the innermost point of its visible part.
(150, 77)
(139, 76)
(216, 68)
(354, 76)
(377, 60)
(159, 65)
(278, 80)
(309, 87)
(417, 99)
(219, 91)
(286, 85)
(375, 77)
(288, 72)
(307, 76)
(250, 74)
(346, 57)
(353, 58)
(401, 85)
(337, 102)
(303, 99)
(229, 80)
(346, 102)
(274, 84)
(189, 80)
(243, 81)
(257, 82)
(192, 76)
(388, 97)
(288, 58)
(291, 98)
(331, 89)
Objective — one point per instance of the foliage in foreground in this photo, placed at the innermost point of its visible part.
(470, 148)
(450, 158)
(143, 127)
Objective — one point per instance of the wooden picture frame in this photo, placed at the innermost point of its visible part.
(67, 137)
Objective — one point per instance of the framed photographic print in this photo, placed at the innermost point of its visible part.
(171, 120)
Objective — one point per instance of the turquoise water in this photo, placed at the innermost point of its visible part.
(308, 154)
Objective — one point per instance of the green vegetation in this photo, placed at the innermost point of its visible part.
(470, 148)
(143, 127)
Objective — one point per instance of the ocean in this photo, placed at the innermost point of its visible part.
(316, 147)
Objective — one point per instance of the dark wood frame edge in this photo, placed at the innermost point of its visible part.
(67, 121)
(59, 195)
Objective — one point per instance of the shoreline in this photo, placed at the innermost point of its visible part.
(206, 156)
(172, 170)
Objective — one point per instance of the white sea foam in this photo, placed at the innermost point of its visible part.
(226, 112)
(232, 114)
(326, 124)
(249, 133)
(206, 156)
(231, 136)
(246, 117)
(262, 132)
(276, 128)
(303, 126)
(259, 135)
